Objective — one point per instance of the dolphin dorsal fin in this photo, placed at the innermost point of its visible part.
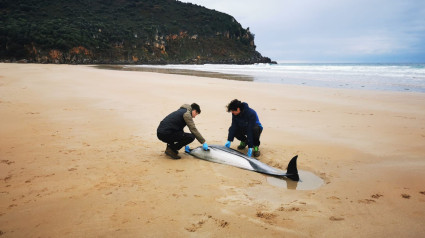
(292, 170)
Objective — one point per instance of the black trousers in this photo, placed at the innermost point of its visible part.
(176, 140)
(256, 133)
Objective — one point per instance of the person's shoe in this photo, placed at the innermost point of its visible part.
(170, 152)
(256, 151)
(242, 145)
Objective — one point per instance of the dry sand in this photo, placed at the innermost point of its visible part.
(79, 157)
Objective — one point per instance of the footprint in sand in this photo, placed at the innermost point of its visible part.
(406, 196)
(290, 209)
(254, 183)
(269, 217)
(8, 162)
(7, 178)
(332, 218)
(376, 196)
(366, 201)
(205, 218)
(334, 198)
(195, 226)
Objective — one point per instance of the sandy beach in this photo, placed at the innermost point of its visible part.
(79, 157)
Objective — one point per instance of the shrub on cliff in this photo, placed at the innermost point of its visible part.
(121, 31)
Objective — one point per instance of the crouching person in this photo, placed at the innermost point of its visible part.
(170, 130)
(246, 127)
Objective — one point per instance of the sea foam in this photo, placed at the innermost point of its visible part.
(383, 77)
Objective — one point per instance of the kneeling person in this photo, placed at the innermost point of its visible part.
(246, 127)
(170, 130)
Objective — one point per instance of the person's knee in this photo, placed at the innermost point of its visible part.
(162, 137)
(257, 130)
(192, 138)
(189, 138)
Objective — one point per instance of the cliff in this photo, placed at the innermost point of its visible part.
(121, 32)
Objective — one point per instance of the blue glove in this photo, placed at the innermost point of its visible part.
(249, 152)
(205, 146)
(187, 149)
(227, 144)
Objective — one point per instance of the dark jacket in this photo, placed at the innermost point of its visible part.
(177, 120)
(245, 121)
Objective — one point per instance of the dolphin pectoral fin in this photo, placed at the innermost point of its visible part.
(292, 171)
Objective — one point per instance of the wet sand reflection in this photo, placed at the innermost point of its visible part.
(198, 73)
(308, 181)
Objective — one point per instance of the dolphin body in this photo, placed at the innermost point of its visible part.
(223, 155)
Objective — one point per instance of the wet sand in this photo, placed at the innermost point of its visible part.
(79, 157)
(198, 73)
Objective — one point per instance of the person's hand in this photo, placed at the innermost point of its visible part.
(249, 152)
(205, 146)
(187, 149)
(227, 144)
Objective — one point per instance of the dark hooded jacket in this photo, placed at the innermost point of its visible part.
(245, 121)
(177, 120)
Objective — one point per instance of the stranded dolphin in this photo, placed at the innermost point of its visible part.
(223, 155)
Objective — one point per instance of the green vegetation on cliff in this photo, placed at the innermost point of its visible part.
(121, 31)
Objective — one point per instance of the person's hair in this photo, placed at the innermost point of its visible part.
(234, 105)
(196, 108)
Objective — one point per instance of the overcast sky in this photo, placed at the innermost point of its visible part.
(369, 31)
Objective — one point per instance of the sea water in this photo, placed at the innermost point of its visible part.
(308, 181)
(383, 77)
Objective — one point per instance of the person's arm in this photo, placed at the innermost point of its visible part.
(187, 116)
(232, 130)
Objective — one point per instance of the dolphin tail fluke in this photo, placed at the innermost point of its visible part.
(292, 170)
